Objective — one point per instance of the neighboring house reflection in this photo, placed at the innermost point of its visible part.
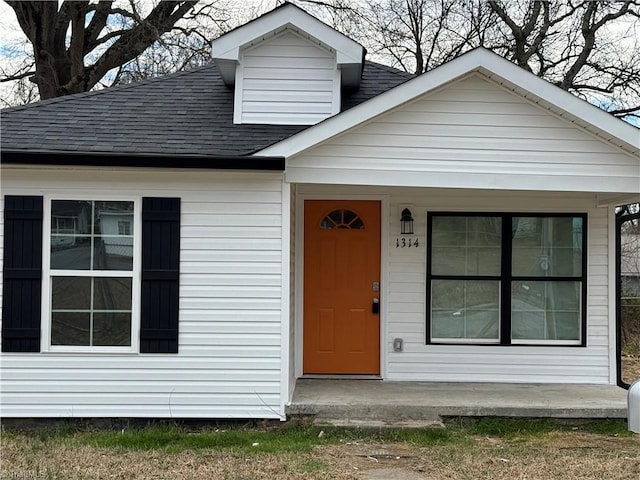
(69, 218)
(114, 248)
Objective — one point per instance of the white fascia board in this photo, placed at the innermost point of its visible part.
(479, 60)
(229, 45)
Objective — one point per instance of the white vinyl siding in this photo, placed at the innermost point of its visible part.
(404, 315)
(287, 80)
(470, 134)
(229, 360)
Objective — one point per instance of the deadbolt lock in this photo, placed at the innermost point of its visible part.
(375, 306)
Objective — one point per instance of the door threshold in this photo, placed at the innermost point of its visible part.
(306, 376)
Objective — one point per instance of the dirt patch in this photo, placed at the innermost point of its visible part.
(630, 368)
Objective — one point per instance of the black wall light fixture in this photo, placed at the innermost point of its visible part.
(406, 222)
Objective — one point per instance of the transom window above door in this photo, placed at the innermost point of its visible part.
(342, 219)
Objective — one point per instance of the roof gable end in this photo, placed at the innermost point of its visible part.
(488, 64)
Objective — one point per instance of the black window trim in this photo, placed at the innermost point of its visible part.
(506, 278)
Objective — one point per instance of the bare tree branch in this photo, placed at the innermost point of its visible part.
(17, 76)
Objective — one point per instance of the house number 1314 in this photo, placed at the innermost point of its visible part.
(407, 242)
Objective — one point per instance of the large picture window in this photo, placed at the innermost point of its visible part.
(506, 278)
(92, 273)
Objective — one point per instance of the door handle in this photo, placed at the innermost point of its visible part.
(375, 306)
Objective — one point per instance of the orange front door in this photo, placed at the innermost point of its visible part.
(341, 284)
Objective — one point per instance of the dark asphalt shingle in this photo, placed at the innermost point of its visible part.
(183, 113)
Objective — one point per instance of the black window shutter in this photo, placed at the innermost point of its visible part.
(22, 274)
(160, 275)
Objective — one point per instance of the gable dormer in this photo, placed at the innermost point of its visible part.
(287, 68)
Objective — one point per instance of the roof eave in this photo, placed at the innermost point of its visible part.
(102, 159)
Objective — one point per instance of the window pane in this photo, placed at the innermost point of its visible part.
(448, 231)
(465, 309)
(70, 328)
(112, 294)
(547, 246)
(545, 310)
(71, 293)
(113, 253)
(348, 216)
(466, 245)
(112, 329)
(108, 214)
(70, 253)
(71, 217)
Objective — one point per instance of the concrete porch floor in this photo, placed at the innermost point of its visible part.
(385, 403)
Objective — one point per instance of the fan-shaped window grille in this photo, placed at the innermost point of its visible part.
(345, 219)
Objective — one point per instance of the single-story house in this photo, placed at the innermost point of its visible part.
(191, 245)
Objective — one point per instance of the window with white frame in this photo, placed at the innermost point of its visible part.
(92, 265)
(506, 278)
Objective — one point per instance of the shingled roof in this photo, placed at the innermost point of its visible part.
(186, 113)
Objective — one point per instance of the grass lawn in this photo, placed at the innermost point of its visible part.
(483, 449)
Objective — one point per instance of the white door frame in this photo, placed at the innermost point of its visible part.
(299, 267)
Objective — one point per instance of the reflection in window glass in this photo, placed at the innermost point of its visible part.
(465, 309)
(535, 262)
(545, 310)
(70, 252)
(342, 219)
(85, 309)
(108, 215)
(71, 217)
(547, 246)
(466, 245)
(71, 328)
(112, 293)
(113, 253)
(124, 228)
(87, 237)
(111, 329)
(71, 293)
